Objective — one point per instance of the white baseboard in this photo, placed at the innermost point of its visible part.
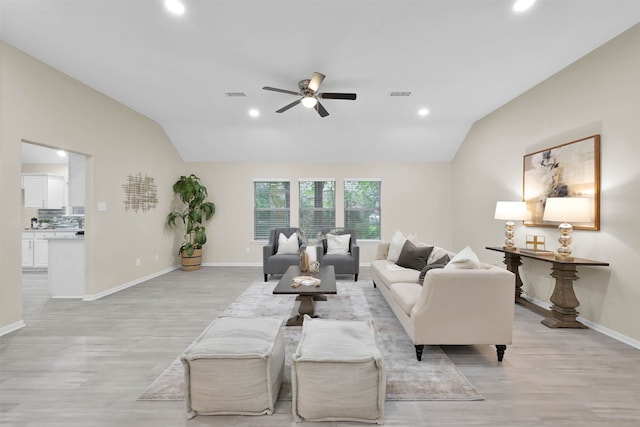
(12, 327)
(595, 326)
(129, 284)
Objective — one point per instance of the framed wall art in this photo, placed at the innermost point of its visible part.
(567, 170)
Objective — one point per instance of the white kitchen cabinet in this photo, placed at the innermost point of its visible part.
(27, 250)
(35, 249)
(44, 191)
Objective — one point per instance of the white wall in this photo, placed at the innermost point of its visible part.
(599, 94)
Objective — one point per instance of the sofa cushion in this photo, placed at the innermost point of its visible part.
(464, 259)
(406, 295)
(392, 273)
(287, 245)
(413, 256)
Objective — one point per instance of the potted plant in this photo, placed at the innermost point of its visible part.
(194, 213)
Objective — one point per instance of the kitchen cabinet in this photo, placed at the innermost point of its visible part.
(27, 251)
(35, 249)
(43, 191)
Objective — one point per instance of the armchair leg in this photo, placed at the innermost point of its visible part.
(374, 285)
(265, 277)
(355, 277)
(500, 349)
(419, 349)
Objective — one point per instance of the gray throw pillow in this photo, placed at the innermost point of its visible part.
(442, 260)
(413, 256)
(439, 263)
(423, 272)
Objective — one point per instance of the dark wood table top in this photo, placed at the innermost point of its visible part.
(547, 257)
(326, 275)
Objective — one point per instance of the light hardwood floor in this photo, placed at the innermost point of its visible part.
(84, 364)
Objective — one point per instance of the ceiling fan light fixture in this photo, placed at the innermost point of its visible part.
(309, 102)
(522, 5)
(174, 6)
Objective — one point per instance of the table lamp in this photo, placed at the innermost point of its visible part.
(565, 209)
(510, 211)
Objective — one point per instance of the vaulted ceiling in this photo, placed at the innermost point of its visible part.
(460, 59)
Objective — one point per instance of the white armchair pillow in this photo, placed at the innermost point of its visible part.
(287, 245)
(338, 244)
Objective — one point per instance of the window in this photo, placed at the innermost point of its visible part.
(362, 207)
(270, 207)
(317, 206)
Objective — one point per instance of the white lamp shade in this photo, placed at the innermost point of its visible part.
(567, 209)
(309, 101)
(511, 211)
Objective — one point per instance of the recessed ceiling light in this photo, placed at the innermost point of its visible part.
(522, 5)
(423, 112)
(174, 6)
(62, 153)
(254, 113)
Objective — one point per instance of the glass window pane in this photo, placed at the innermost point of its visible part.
(317, 206)
(271, 207)
(362, 208)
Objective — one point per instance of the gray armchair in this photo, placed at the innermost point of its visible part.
(272, 263)
(343, 264)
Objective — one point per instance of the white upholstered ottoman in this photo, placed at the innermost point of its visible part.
(337, 373)
(235, 367)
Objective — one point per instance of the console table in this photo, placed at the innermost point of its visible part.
(563, 311)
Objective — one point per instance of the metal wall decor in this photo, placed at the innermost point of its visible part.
(141, 193)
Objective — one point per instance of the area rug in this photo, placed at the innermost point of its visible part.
(433, 378)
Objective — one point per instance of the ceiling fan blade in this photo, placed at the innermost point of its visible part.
(321, 110)
(286, 107)
(316, 81)
(275, 89)
(330, 95)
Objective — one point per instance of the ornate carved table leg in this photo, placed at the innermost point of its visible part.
(513, 261)
(563, 311)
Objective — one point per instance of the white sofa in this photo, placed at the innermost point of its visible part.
(451, 306)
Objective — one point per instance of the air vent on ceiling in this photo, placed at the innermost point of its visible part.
(235, 94)
(399, 93)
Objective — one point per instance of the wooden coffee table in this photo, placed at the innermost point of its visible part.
(307, 295)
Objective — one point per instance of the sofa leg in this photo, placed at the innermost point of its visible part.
(500, 349)
(419, 349)
(355, 277)
(265, 277)
(374, 285)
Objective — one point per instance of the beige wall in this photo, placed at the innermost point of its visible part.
(599, 94)
(41, 105)
(415, 197)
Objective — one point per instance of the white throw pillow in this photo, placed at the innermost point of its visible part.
(338, 244)
(287, 246)
(466, 258)
(397, 242)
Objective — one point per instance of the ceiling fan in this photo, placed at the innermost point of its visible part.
(308, 91)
